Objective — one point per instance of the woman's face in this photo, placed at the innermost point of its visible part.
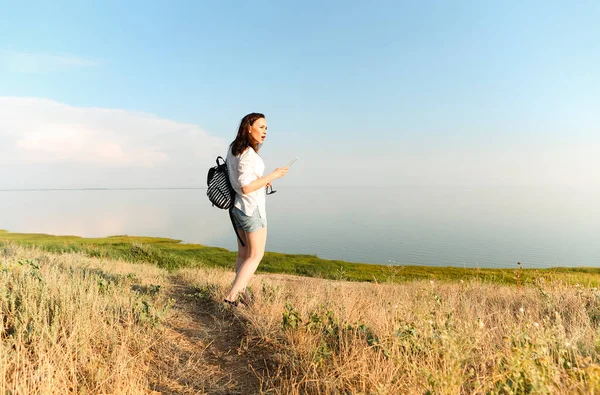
(258, 130)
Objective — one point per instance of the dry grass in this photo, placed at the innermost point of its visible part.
(330, 337)
(71, 324)
(75, 324)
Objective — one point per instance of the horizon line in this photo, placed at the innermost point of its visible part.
(289, 186)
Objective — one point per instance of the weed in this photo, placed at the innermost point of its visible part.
(291, 317)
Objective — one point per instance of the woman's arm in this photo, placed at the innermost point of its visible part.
(264, 180)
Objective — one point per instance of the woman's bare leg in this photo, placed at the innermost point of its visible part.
(242, 250)
(256, 243)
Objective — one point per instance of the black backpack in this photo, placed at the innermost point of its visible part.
(220, 192)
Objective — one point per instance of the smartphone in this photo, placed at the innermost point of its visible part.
(292, 162)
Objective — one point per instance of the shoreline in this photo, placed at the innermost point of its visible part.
(173, 254)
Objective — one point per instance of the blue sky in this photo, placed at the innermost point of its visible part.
(378, 93)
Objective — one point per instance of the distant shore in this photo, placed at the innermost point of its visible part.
(172, 254)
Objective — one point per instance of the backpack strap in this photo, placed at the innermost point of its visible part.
(234, 228)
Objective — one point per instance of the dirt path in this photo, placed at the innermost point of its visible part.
(200, 351)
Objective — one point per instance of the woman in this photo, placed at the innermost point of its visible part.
(246, 169)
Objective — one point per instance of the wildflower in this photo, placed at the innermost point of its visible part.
(536, 324)
(481, 324)
(431, 282)
(521, 310)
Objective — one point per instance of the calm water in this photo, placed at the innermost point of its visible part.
(487, 227)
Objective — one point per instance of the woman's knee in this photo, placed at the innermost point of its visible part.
(256, 255)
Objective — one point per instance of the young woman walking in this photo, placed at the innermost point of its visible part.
(246, 173)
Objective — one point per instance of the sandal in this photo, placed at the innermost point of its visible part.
(231, 303)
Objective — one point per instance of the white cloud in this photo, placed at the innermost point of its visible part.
(30, 62)
(45, 131)
(46, 144)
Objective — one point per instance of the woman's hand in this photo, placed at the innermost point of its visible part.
(264, 181)
(279, 172)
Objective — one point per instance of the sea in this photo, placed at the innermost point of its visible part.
(493, 227)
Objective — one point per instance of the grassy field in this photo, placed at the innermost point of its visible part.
(172, 254)
(75, 323)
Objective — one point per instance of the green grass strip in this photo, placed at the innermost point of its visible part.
(172, 254)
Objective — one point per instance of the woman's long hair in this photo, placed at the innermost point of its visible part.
(243, 139)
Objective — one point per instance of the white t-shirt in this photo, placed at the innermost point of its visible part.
(243, 169)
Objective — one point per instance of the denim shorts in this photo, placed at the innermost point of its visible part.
(247, 223)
